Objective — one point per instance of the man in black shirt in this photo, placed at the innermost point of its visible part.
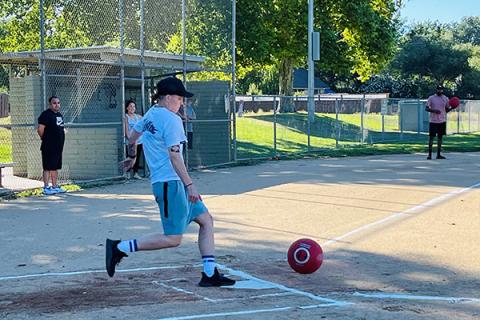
(51, 131)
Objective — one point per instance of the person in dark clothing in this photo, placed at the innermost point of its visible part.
(51, 131)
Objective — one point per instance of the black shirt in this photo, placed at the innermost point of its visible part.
(54, 134)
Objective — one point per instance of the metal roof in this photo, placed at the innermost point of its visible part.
(100, 54)
(300, 80)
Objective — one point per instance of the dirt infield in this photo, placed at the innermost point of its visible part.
(400, 236)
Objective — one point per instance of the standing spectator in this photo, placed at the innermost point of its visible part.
(175, 193)
(131, 118)
(51, 131)
(240, 109)
(188, 114)
(438, 107)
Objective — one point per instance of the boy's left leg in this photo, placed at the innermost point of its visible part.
(206, 244)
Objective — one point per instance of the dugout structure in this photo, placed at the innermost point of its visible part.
(92, 85)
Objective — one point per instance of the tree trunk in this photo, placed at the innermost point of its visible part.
(286, 85)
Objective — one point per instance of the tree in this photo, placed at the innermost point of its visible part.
(208, 34)
(20, 28)
(435, 58)
(357, 37)
(468, 31)
(428, 55)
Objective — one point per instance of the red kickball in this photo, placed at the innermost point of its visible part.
(305, 256)
(454, 102)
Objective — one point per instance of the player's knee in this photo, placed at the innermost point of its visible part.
(208, 220)
(174, 241)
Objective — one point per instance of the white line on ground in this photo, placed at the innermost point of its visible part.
(268, 295)
(425, 205)
(73, 273)
(282, 287)
(237, 313)
(225, 314)
(327, 302)
(160, 283)
(376, 295)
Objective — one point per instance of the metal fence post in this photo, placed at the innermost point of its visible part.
(184, 71)
(122, 72)
(142, 52)
(234, 83)
(400, 112)
(362, 111)
(469, 118)
(274, 126)
(383, 120)
(337, 124)
(458, 120)
(42, 56)
(418, 117)
(478, 117)
(309, 98)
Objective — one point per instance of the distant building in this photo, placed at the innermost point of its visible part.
(300, 82)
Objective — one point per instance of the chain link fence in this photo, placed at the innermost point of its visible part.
(97, 55)
(340, 121)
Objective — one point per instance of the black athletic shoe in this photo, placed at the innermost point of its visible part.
(441, 157)
(113, 256)
(429, 158)
(217, 280)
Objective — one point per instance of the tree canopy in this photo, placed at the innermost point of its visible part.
(359, 39)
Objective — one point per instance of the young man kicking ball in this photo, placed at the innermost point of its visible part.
(180, 203)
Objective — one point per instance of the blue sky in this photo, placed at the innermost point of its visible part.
(441, 10)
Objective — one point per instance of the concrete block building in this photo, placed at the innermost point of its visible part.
(91, 87)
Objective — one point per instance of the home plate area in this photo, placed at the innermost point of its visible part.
(173, 291)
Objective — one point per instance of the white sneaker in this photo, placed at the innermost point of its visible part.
(48, 191)
(59, 189)
(136, 176)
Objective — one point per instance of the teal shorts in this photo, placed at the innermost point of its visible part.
(176, 211)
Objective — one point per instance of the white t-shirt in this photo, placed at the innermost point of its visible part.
(160, 130)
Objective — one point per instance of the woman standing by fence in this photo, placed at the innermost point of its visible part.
(131, 118)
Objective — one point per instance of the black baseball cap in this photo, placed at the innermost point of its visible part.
(172, 85)
(440, 87)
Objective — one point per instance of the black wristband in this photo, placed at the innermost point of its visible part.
(188, 185)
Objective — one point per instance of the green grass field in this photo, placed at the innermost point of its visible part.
(255, 136)
(5, 141)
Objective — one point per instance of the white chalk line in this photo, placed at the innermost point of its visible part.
(74, 273)
(281, 287)
(286, 290)
(254, 311)
(160, 283)
(420, 207)
(377, 295)
(267, 295)
(225, 314)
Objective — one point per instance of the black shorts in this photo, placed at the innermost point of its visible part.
(51, 160)
(439, 129)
